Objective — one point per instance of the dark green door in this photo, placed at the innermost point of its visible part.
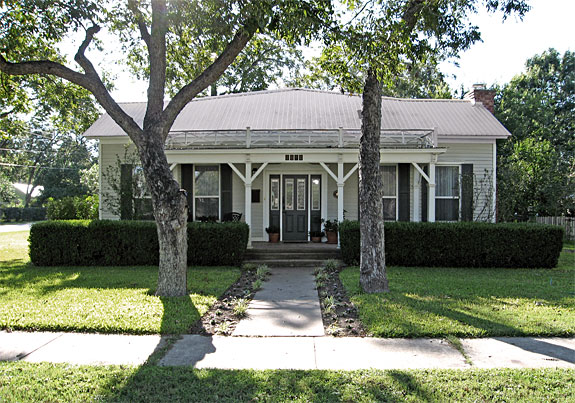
(295, 208)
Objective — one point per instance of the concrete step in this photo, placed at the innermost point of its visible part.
(318, 255)
(287, 262)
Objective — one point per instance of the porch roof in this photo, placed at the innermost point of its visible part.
(291, 110)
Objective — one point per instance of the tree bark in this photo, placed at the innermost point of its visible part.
(373, 277)
(170, 212)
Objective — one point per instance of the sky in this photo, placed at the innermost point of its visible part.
(505, 48)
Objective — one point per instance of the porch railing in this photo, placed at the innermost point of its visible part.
(342, 138)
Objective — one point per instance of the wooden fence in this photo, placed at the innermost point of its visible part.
(566, 222)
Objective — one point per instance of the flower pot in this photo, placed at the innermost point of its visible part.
(331, 236)
(316, 239)
(274, 238)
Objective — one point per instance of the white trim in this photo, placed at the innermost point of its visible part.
(329, 171)
(494, 175)
(100, 167)
(421, 172)
(351, 171)
(259, 171)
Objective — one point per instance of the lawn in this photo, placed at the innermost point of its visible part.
(469, 302)
(25, 382)
(98, 299)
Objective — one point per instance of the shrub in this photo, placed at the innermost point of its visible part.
(73, 208)
(461, 244)
(23, 213)
(123, 243)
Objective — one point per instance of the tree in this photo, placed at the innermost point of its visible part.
(536, 172)
(381, 36)
(161, 28)
(413, 79)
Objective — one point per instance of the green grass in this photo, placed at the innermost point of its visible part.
(98, 299)
(440, 302)
(569, 245)
(25, 382)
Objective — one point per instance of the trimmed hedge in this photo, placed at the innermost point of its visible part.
(463, 244)
(131, 243)
(23, 213)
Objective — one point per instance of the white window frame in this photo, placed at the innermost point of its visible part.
(458, 197)
(396, 188)
(219, 196)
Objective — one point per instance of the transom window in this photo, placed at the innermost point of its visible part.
(389, 179)
(207, 192)
(447, 193)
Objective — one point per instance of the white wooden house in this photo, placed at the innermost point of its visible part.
(289, 158)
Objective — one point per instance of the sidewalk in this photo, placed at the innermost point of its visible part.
(288, 352)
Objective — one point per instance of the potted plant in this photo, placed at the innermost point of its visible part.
(273, 233)
(330, 227)
(316, 236)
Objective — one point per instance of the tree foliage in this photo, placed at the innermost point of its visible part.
(537, 164)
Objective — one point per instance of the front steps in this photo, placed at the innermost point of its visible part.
(291, 255)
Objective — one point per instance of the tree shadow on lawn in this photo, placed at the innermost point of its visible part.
(152, 384)
(42, 283)
(487, 326)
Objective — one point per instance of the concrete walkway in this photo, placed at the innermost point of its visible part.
(287, 305)
(15, 227)
(288, 352)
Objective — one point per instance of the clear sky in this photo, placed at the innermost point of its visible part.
(505, 48)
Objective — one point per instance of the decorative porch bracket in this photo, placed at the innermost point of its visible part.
(248, 180)
(431, 188)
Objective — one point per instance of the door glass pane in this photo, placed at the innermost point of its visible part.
(275, 194)
(315, 194)
(389, 209)
(301, 194)
(388, 179)
(447, 179)
(289, 189)
(207, 181)
(207, 207)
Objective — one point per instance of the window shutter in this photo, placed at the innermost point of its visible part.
(226, 190)
(424, 196)
(126, 207)
(467, 192)
(403, 197)
(188, 185)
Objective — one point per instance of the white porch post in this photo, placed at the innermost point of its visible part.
(248, 200)
(431, 194)
(340, 185)
(416, 195)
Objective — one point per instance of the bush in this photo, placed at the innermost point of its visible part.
(23, 213)
(73, 208)
(461, 244)
(131, 243)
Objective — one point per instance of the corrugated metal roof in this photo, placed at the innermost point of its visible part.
(301, 109)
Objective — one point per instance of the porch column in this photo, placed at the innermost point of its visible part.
(340, 185)
(416, 195)
(248, 201)
(431, 194)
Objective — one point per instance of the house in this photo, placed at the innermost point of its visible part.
(289, 158)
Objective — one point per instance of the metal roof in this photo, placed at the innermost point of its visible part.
(304, 109)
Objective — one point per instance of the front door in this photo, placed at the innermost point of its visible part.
(295, 207)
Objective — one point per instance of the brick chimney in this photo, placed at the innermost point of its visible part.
(480, 94)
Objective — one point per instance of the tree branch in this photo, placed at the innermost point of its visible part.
(139, 17)
(411, 13)
(208, 76)
(157, 59)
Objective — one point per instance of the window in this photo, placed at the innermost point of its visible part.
(135, 198)
(389, 179)
(315, 194)
(447, 193)
(207, 192)
(275, 194)
(289, 191)
(301, 194)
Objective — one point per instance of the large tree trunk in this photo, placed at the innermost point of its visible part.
(170, 212)
(373, 277)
